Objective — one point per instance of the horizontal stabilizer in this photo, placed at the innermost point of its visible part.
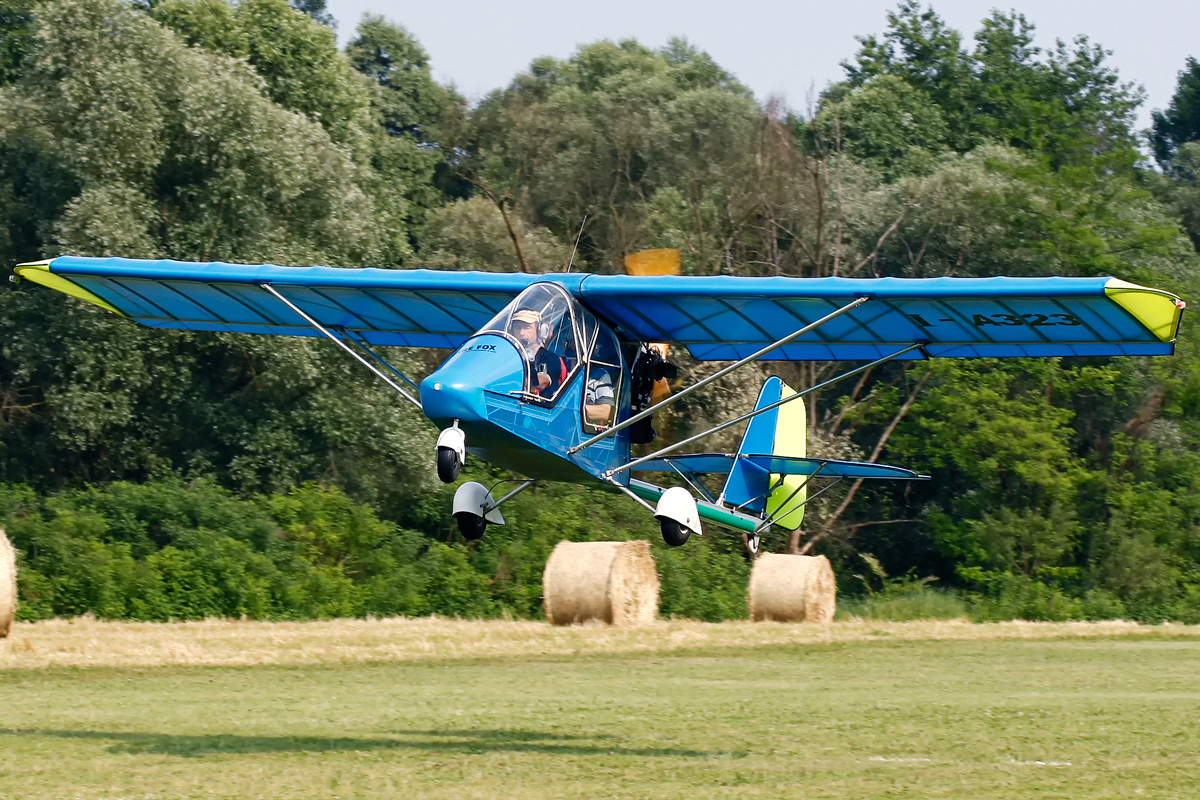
(721, 463)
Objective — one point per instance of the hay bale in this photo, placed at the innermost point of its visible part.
(611, 581)
(8, 584)
(792, 589)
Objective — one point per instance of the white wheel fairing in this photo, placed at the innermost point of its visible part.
(678, 504)
(473, 498)
(456, 439)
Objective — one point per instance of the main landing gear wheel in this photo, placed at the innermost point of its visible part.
(673, 533)
(448, 464)
(471, 526)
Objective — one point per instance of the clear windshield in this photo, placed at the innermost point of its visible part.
(544, 321)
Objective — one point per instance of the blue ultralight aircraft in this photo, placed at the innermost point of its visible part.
(552, 375)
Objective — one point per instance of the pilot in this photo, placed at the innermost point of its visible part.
(524, 328)
(551, 369)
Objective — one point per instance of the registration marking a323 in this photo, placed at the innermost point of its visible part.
(1009, 320)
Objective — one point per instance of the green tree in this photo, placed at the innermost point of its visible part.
(889, 124)
(131, 143)
(471, 234)
(598, 135)
(922, 51)
(211, 24)
(1175, 139)
(1182, 189)
(408, 106)
(316, 9)
(1007, 474)
(16, 17)
(1180, 123)
(303, 71)
(1070, 106)
(387, 53)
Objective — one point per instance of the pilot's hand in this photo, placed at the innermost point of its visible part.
(543, 381)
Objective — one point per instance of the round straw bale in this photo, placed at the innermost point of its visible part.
(792, 589)
(8, 584)
(611, 581)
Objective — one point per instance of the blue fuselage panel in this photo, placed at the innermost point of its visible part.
(481, 386)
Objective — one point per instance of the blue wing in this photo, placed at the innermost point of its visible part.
(726, 317)
(416, 308)
(716, 318)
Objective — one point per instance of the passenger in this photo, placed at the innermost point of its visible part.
(599, 399)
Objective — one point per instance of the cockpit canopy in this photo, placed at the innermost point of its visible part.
(551, 328)
(546, 316)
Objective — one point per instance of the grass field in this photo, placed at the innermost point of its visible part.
(448, 709)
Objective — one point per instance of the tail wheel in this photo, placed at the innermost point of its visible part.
(673, 533)
(471, 526)
(751, 542)
(448, 464)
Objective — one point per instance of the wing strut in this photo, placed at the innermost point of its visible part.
(719, 374)
(766, 523)
(629, 492)
(763, 410)
(341, 344)
(358, 339)
(700, 488)
(783, 509)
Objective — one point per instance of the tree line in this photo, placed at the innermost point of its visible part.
(211, 130)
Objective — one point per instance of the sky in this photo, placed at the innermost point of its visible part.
(776, 47)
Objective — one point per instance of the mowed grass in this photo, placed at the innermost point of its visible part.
(676, 710)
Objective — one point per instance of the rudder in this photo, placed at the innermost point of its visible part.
(781, 431)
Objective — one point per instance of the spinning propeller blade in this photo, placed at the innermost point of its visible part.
(661, 261)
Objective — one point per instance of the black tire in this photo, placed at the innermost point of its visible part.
(673, 533)
(471, 526)
(448, 464)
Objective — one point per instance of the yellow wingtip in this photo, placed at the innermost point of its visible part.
(39, 272)
(1159, 311)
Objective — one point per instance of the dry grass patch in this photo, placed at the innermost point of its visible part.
(91, 643)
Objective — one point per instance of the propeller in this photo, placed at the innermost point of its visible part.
(660, 261)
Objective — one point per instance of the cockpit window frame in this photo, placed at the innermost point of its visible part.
(499, 325)
(617, 372)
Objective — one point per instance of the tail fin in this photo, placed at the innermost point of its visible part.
(782, 431)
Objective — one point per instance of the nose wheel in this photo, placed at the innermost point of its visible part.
(448, 464)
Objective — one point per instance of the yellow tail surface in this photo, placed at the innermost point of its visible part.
(791, 439)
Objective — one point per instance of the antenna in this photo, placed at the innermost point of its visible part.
(578, 236)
